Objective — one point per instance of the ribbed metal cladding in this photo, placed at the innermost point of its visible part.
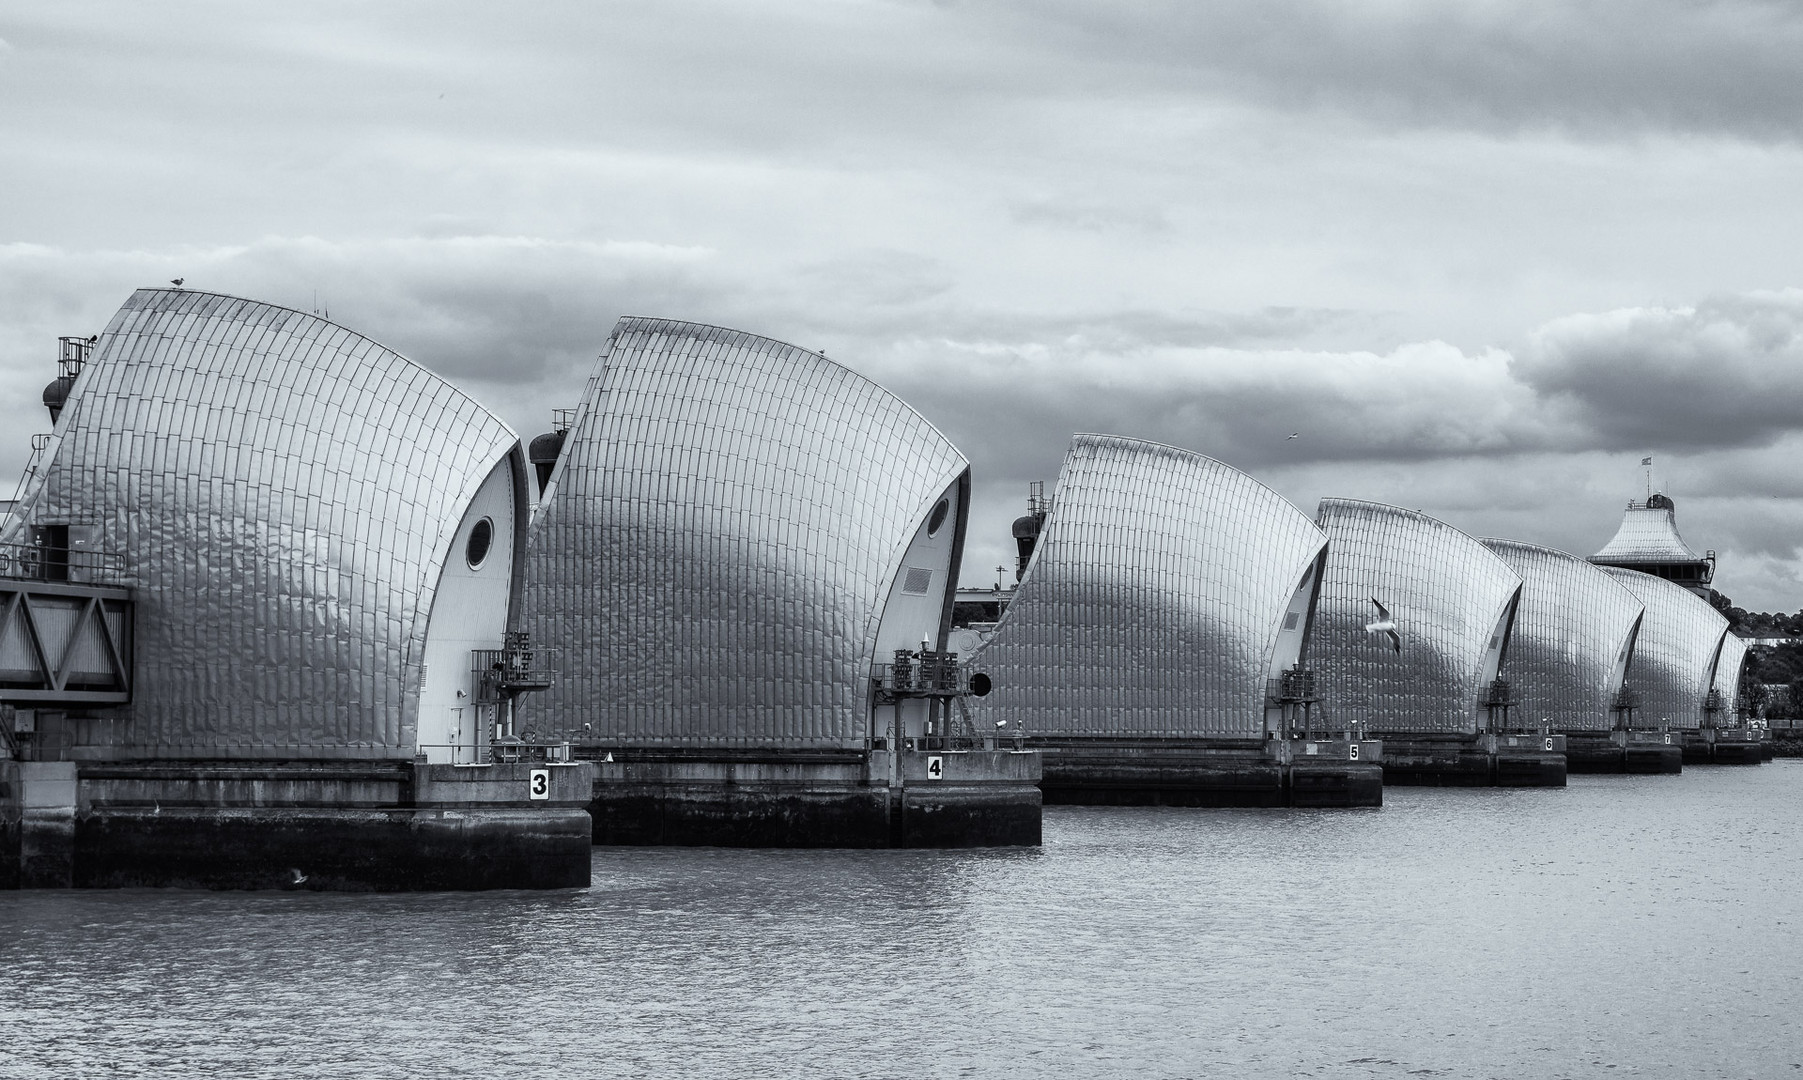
(1449, 597)
(718, 539)
(1675, 653)
(1153, 602)
(285, 492)
(1573, 638)
(1727, 674)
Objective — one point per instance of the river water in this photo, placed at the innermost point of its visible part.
(1624, 926)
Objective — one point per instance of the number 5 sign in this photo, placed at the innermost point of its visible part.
(538, 783)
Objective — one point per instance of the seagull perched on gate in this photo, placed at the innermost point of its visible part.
(1385, 624)
(177, 281)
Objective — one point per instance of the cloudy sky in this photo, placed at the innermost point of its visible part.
(1482, 256)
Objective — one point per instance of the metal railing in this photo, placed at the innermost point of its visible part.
(39, 443)
(38, 562)
(1320, 727)
(1293, 686)
(927, 673)
(499, 751)
(967, 740)
(505, 673)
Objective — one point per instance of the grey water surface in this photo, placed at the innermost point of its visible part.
(1624, 926)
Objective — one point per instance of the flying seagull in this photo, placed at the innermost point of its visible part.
(299, 878)
(1385, 624)
(177, 281)
(1294, 435)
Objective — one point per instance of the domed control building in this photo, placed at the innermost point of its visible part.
(1648, 541)
(316, 549)
(1412, 633)
(1155, 649)
(743, 569)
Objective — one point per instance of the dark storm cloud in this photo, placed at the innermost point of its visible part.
(1527, 445)
(1601, 68)
(1727, 372)
(1015, 408)
(516, 321)
(1012, 384)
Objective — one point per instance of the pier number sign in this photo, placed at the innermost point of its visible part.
(935, 768)
(538, 783)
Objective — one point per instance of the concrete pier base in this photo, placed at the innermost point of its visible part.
(852, 799)
(1222, 772)
(347, 826)
(1641, 752)
(1723, 746)
(42, 825)
(1480, 760)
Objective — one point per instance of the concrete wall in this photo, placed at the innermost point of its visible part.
(338, 826)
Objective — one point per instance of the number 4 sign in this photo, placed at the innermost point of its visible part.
(538, 783)
(935, 768)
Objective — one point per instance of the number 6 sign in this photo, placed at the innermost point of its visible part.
(538, 784)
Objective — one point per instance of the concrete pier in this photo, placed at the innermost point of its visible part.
(1724, 746)
(818, 799)
(1640, 752)
(1482, 760)
(1215, 772)
(348, 826)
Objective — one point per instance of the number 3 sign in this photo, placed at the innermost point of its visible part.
(539, 783)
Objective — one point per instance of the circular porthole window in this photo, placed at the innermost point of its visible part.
(938, 517)
(482, 537)
(980, 684)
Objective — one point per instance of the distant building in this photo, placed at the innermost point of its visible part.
(1162, 594)
(318, 532)
(743, 567)
(294, 554)
(1413, 632)
(1573, 641)
(1453, 603)
(1676, 652)
(1648, 541)
(1165, 604)
(734, 532)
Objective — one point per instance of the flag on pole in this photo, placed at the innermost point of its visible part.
(1646, 461)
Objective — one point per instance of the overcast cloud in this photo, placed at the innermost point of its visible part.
(1481, 257)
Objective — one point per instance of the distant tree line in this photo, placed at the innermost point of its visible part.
(1768, 665)
(1757, 623)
